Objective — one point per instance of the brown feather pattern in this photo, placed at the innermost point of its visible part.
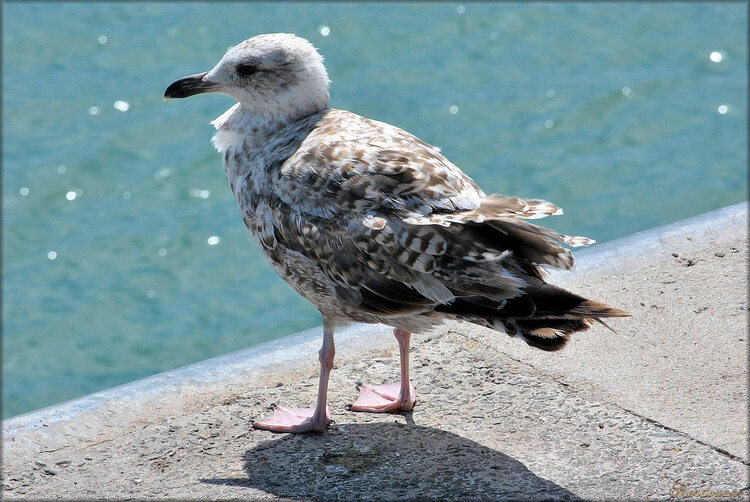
(372, 224)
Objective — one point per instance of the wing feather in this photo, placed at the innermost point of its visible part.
(396, 227)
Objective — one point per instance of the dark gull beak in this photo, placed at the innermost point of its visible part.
(187, 86)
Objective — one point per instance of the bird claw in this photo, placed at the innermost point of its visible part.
(294, 420)
(384, 398)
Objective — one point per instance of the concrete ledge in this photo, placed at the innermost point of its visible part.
(616, 256)
(650, 246)
(88, 415)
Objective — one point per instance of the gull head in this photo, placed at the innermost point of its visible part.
(277, 76)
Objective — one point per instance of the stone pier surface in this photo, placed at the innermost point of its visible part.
(657, 409)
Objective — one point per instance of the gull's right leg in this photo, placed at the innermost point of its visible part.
(307, 419)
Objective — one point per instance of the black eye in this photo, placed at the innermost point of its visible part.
(247, 69)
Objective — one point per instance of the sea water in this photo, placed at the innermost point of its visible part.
(123, 252)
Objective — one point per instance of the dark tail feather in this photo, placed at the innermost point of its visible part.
(546, 334)
(552, 333)
(596, 310)
(544, 316)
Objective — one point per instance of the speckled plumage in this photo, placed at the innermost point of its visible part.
(372, 224)
(344, 206)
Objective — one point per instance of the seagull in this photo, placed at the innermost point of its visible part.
(373, 225)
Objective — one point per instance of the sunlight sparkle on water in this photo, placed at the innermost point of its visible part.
(151, 293)
(549, 124)
(93, 110)
(213, 240)
(626, 91)
(453, 109)
(324, 30)
(716, 56)
(723, 109)
(52, 255)
(461, 9)
(61, 169)
(71, 195)
(123, 106)
(551, 93)
(162, 173)
(126, 195)
(163, 252)
(24, 191)
(200, 194)
(102, 39)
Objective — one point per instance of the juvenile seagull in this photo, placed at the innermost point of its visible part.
(373, 225)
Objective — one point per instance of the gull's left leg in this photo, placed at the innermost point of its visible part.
(307, 419)
(396, 396)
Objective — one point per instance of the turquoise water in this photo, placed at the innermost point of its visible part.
(123, 251)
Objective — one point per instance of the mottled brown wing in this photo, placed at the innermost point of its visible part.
(376, 207)
(350, 163)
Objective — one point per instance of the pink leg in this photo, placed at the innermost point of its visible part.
(392, 397)
(307, 419)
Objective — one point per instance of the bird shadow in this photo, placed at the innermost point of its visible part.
(388, 461)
